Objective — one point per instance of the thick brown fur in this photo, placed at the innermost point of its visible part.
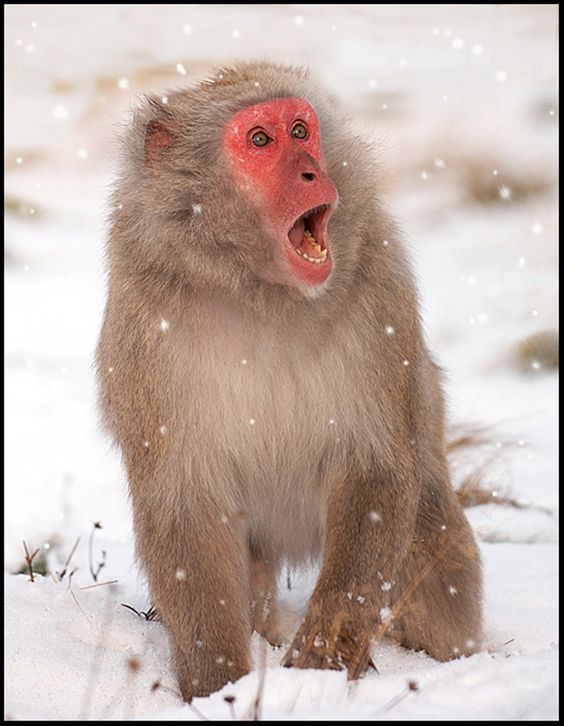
(260, 424)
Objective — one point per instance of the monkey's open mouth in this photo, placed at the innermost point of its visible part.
(308, 234)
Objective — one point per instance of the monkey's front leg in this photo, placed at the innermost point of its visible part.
(198, 572)
(369, 527)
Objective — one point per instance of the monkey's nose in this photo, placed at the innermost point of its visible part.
(308, 176)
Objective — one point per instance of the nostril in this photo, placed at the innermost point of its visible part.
(308, 176)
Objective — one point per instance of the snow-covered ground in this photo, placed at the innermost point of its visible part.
(462, 102)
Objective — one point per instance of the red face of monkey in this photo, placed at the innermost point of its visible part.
(275, 151)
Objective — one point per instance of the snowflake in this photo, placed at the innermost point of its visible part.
(197, 209)
(180, 574)
(123, 83)
(374, 517)
(389, 329)
(164, 325)
(452, 590)
(386, 615)
(180, 68)
(60, 112)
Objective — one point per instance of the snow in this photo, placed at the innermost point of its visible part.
(463, 94)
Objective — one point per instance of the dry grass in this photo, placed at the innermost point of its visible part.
(537, 351)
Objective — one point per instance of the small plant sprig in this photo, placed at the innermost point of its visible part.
(102, 563)
(29, 560)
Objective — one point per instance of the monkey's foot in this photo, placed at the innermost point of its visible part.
(272, 634)
(333, 643)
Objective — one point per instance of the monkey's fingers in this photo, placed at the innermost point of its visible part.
(361, 662)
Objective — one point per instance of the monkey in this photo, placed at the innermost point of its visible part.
(262, 368)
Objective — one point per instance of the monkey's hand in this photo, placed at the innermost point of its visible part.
(333, 637)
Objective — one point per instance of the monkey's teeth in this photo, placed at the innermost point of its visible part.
(315, 260)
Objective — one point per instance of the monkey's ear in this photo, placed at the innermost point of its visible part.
(158, 137)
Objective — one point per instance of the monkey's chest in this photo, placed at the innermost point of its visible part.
(280, 419)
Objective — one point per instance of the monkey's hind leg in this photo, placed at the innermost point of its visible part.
(437, 597)
(264, 604)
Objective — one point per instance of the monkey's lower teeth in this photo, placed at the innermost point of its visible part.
(316, 260)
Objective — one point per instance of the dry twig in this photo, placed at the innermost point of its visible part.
(69, 558)
(29, 560)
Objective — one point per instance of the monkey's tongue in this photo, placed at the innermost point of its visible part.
(296, 234)
(305, 243)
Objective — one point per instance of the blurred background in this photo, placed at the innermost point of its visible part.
(462, 103)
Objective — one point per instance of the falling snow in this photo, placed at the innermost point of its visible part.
(498, 116)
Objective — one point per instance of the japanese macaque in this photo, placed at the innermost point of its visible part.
(263, 370)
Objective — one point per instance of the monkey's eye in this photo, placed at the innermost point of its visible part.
(299, 131)
(259, 138)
